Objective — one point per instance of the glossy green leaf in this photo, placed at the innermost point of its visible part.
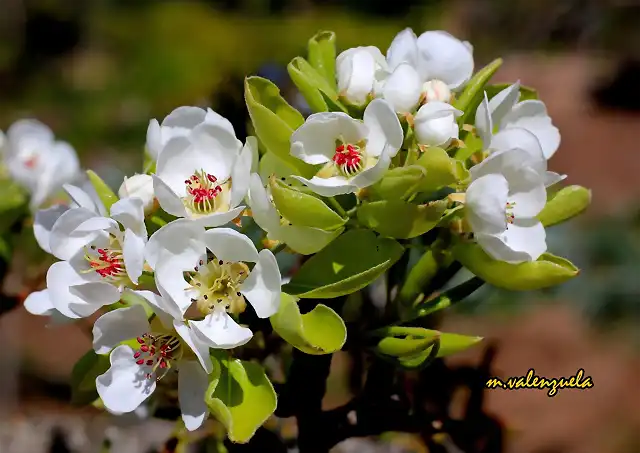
(348, 264)
(240, 396)
(441, 169)
(302, 209)
(322, 55)
(334, 105)
(298, 70)
(401, 220)
(105, 194)
(547, 271)
(321, 331)
(306, 240)
(565, 204)
(472, 94)
(452, 343)
(274, 120)
(83, 377)
(403, 347)
(398, 183)
(526, 93)
(271, 164)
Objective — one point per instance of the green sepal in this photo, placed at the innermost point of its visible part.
(565, 204)
(401, 220)
(105, 194)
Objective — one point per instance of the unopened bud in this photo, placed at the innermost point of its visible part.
(139, 186)
(435, 90)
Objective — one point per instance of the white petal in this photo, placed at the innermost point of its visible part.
(63, 245)
(199, 348)
(252, 143)
(501, 104)
(328, 187)
(219, 331)
(447, 58)
(230, 245)
(551, 178)
(402, 89)
(133, 253)
(181, 239)
(262, 287)
(167, 198)
(384, 128)
(154, 139)
(192, 386)
(39, 303)
(124, 386)
(403, 49)
(219, 218)
(130, 213)
(373, 174)
(528, 194)
(263, 211)
(80, 197)
(532, 116)
(524, 240)
(315, 141)
(215, 149)
(484, 123)
(177, 162)
(117, 326)
(165, 309)
(486, 200)
(171, 284)
(519, 138)
(43, 224)
(93, 294)
(28, 129)
(185, 117)
(240, 174)
(356, 76)
(96, 224)
(213, 117)
(435, 124)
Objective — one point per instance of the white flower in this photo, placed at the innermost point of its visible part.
(204, 177)
(180, 123)
(98, 259)
(504, 111)
(302, 239)
(445, 58)
(435, 124)
(37, 161)
(163, 347)
(357, 71)
(402, 88)
(220, 285)
(140, 186)
(355, 153)
(502, 201)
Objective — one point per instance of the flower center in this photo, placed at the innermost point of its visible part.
(159, 352)
(217, 285)
(509, 212)
(349, 159)
(108, 263)
(31, 162)
(202, 193)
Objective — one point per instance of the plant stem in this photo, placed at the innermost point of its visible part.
(278, 248)
(337, 206)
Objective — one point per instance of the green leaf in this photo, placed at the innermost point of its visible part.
(308, 81)
(274, 120)
(334, 105)
(398, 183)
(322, 55)
(452, 343)
(348, 264)
(473, 93)
(472, 143)
(547, 271)
(13, 196)
(302, 209)
(403, 347)
(441, 169)
(83, 377)
(306, 240)
(271, 164)
(240, 396)
(399, 219)
(105, 194)
(565, 204)
(526, 93)
(321, 331)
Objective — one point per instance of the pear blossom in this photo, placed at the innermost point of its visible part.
(435, 124)
(502, 202)
(358, 70)
(99, 259)
(37, 161)
(218, 286)
(164, 346)
(180, 123)
(504, 111)
(355, 153)
(445, 58)
(204, 177)
(140, 186)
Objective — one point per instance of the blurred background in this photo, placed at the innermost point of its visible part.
(96, 71)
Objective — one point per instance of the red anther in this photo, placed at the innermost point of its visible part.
(149, 362)
(211, 178)
(140, 340)
(163, 364)
(144, 348)
(140, 362)
(136, 355)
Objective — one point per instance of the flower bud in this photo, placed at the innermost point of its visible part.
(356, 70)
(435, 124)
(435, 90)
(402, 88)
(140, 186)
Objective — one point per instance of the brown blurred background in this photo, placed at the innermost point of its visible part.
(96, 71)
